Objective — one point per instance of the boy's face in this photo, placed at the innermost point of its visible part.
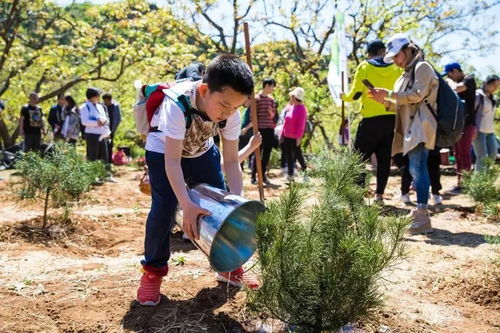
(269, 88)
(221, 105)
(95, 99)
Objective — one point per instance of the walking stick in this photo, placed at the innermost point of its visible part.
(253, 116)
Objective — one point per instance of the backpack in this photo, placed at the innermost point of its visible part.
(150, 98)
(449, 114)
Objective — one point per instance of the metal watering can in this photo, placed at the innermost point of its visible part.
(227, 236)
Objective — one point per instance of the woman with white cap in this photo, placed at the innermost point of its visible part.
(293, 128)
(415, 131)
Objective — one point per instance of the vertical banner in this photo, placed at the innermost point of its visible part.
(337, 73)
(338, 60)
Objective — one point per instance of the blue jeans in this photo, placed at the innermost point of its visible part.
(418, 170)
(203, 169)
(485, 145)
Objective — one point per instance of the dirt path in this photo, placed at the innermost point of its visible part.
(84, 279)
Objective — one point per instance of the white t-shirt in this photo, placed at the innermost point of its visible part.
(485, 117)
(198, 138)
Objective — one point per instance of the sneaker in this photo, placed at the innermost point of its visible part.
(456, 190)
(405, 198)
(111, 179)
(284, 171)
(421, 222)
(290, 179)
(239, 278)
(148, 293)
(254, 181)
(437, 199)
(379, 199)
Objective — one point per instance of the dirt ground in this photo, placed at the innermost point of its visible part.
(83, 277)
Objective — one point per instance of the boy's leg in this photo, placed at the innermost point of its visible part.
(103, 150)
(92, 146)
(267, 147)
(161, 216)
(158, 226)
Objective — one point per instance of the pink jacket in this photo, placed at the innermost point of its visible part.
(295, 122)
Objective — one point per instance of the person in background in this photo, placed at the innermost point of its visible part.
(415, 131)
(465, 86)
(293, 129)
(71, 126)
(115, 117)
(195, 71)
(96, 122)
(485, 143)
(433, 165)
(266, 112)
(31, 124)
(376, 129)
(246, 130)
(56, 117)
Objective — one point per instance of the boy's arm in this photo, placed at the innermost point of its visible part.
(191, 211)
(232, 165)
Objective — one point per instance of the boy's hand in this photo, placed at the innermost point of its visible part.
(255, 140)
(190, 219)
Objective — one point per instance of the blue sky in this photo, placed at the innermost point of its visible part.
(482, 62)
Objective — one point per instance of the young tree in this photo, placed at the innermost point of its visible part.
(321, 261)
(62, 175)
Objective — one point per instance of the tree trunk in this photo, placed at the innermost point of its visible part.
(46, 208)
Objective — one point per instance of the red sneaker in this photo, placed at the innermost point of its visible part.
(148, 293)
(239, 278)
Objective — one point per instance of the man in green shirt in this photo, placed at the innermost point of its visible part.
(376, 129)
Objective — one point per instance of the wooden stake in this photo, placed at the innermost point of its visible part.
(253, 116)
(342, 123)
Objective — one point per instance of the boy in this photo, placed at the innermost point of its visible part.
(31, 124)
(178, 152)
(266, 112)
(96, 123)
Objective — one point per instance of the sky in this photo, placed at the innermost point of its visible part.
(482, 62)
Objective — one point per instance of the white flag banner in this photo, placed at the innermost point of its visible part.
(338, 60)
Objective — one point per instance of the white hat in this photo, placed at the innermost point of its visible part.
(395, 45)
(298, 93)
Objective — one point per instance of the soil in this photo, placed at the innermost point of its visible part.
(81, 275)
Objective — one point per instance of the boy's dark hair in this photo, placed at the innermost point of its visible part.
(227, 70)
(268, 82)
(92, 92)
(107, 96)
(59, 96)
(375, 48)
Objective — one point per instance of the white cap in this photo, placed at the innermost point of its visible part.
(298, 93)
(394, 45)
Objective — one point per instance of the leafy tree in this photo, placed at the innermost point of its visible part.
(51, 49)
(61, 176)
(321, 252)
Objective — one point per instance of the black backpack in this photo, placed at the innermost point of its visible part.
(449, 114)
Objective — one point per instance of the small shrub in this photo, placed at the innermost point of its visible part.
(483, 188)
(62, 175)
(321, 263)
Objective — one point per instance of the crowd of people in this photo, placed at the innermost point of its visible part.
(93, 121)
(400, 121)
(188, 119)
